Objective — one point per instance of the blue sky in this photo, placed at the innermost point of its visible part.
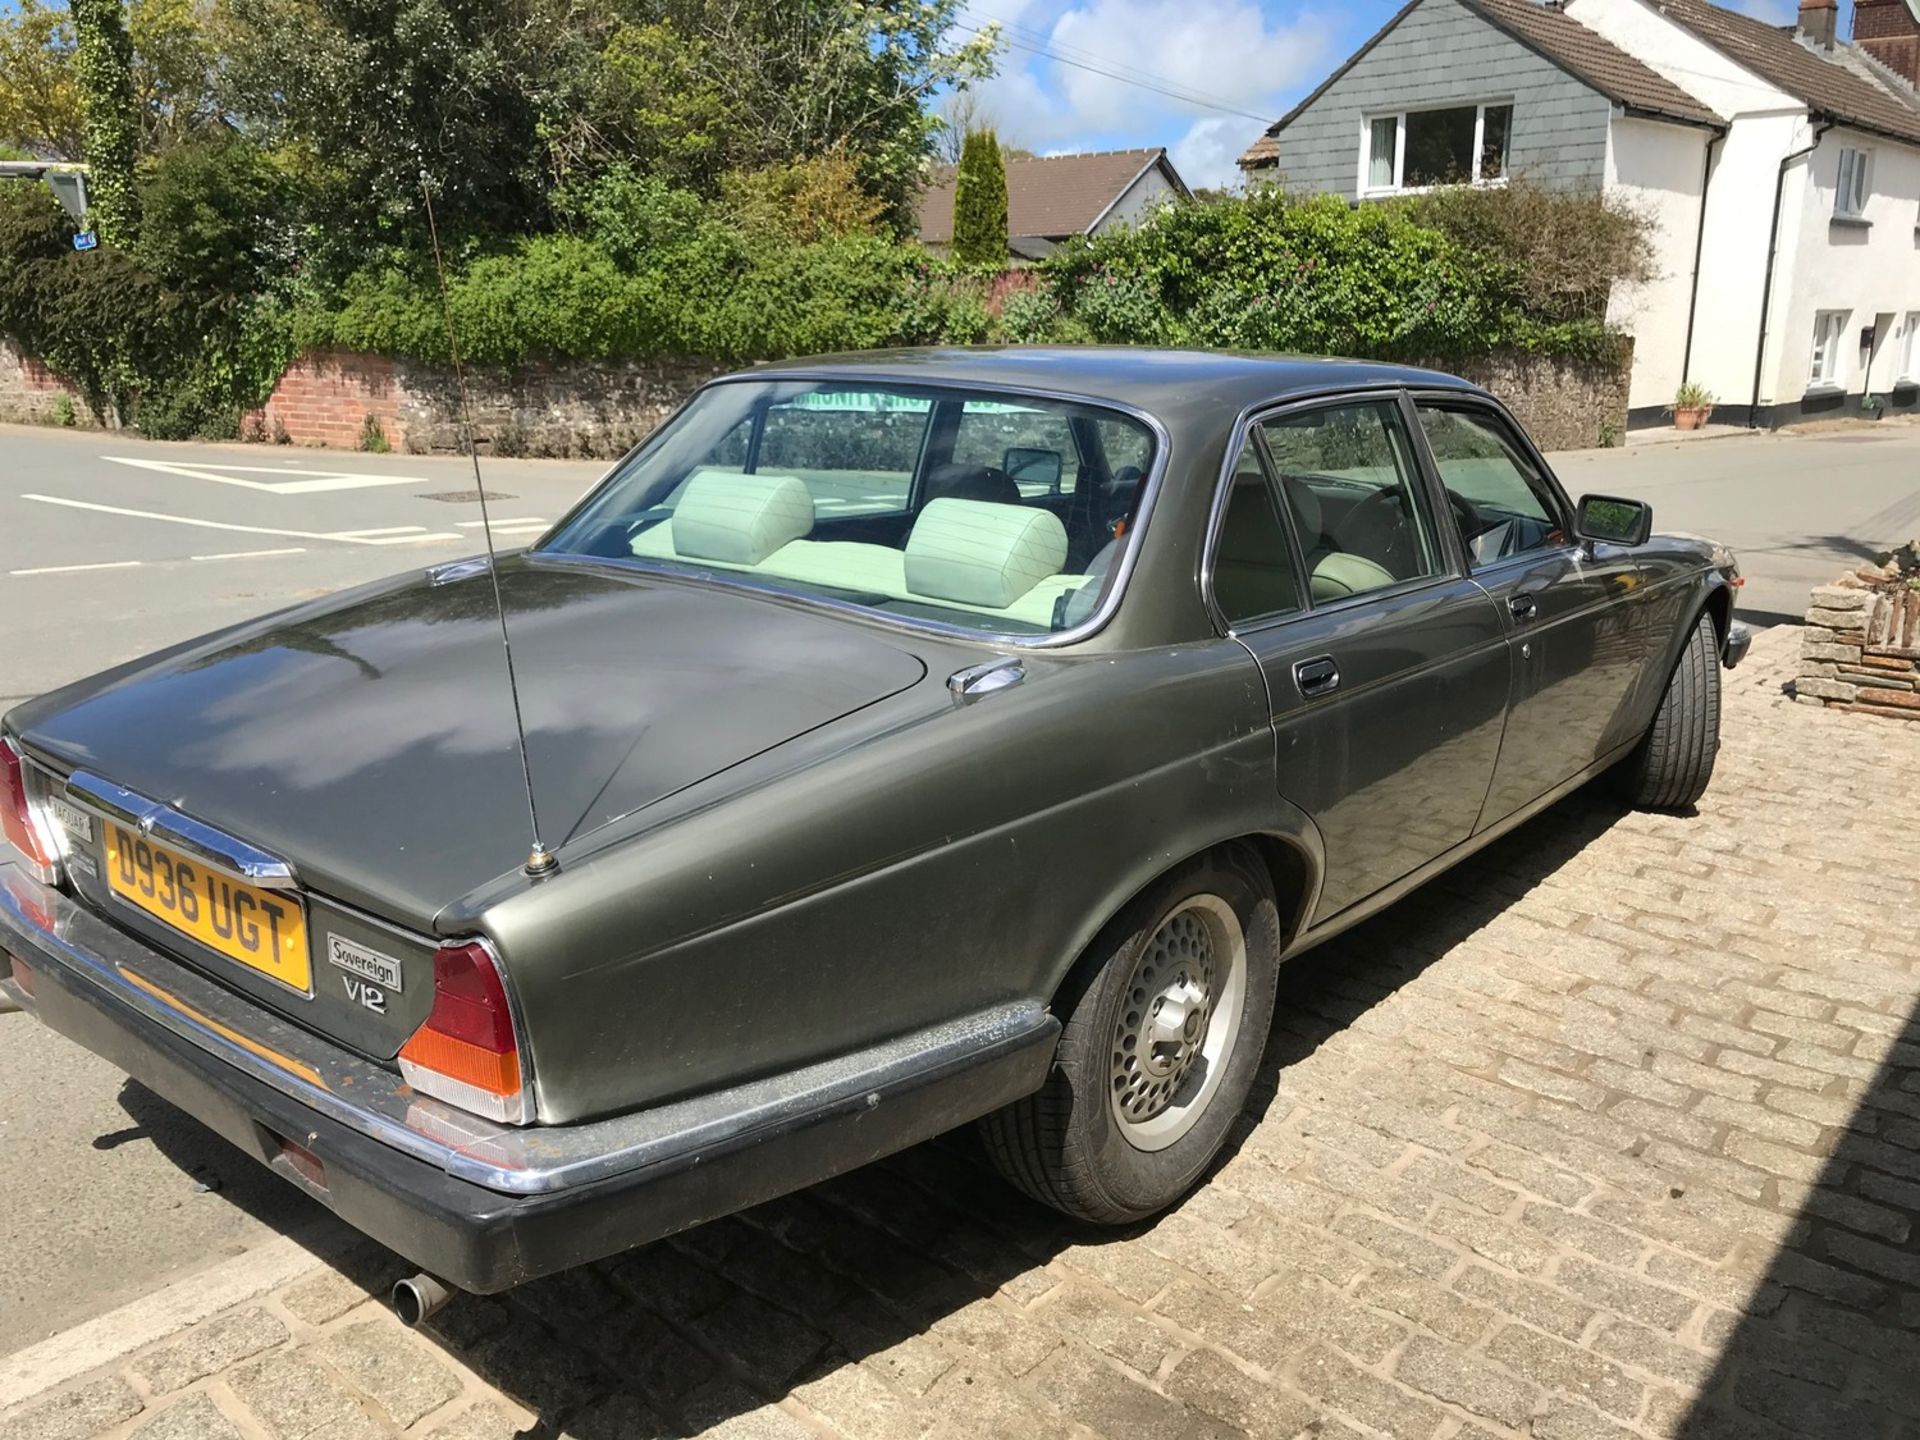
(1255, 57)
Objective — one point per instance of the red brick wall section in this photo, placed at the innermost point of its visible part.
(325, 398)
(1888, 32)
(30, 392)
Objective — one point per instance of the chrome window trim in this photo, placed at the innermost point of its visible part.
(1390, 392)
(1122, 572)
(1467, 399)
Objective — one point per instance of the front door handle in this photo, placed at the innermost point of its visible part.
(1319, 676)
(1523, 606)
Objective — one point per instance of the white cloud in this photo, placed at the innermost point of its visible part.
(1224, 51)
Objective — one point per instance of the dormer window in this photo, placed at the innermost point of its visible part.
(1419, 149)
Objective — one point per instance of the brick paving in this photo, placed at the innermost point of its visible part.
(1613, 1132)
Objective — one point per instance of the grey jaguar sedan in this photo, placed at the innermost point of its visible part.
(920, 737)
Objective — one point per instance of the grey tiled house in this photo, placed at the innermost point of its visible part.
(1454, 90)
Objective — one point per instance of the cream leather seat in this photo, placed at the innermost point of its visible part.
(1333, 574)
(974, 555)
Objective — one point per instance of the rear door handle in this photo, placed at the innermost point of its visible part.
(1319, 676)
(1522, 605)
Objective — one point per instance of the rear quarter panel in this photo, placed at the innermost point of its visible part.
(950, 857)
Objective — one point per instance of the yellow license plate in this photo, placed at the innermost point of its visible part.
(264, 930)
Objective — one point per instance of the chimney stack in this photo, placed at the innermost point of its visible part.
(1818, 22)
(1889, 30)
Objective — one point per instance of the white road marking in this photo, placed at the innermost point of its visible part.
(414, 534)
(517, 523)
(253, 554)
(312, 484)
(74, 569)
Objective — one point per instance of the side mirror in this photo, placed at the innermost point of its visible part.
(1613, 521)
(1033, 466)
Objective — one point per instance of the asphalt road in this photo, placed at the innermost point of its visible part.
(106, 1192)
(110, 547)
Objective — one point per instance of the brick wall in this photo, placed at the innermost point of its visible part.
(325, 399)
(1886, 30)
(30, 392)
(1861, 649)
(545, 410)
(601, 411)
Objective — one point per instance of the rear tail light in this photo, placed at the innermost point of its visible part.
(30, 842)
(467, 1053)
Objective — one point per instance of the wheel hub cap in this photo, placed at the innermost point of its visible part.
(1164, 1025)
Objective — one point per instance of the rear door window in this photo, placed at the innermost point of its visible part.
(1347, 475)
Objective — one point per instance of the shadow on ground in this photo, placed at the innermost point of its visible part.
(724, 1319)
(1826, 1346)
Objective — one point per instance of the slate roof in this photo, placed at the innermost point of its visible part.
(1048, 196)
(1827, 86)
(1584, 54)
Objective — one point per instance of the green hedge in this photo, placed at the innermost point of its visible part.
(193, 326)
(1317, 276)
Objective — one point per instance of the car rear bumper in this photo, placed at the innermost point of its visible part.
(487, 1207)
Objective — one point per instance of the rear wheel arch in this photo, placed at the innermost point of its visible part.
(1290, 863)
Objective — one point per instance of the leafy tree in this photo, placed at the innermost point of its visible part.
(803, 200)
(215, 219)
(103, 71)
(713, 86)
(368, 94)
(176, 60)
(980, 203)
(39, 104)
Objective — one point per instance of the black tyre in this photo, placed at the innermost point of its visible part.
(1674, 761)
(1165, 1020)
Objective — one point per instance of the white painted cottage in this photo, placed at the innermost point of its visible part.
(1781, 167)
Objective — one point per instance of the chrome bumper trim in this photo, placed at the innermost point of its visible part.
(150, 817)
(143, 989)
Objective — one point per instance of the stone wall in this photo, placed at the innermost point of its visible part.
(587, 411)
(1861, 649)
(30, 393)
(601, 411)
(1565, 404)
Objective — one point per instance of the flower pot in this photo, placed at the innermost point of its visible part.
(1691, 417)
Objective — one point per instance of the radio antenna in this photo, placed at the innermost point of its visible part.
(540, 860)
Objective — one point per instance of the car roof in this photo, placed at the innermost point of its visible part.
(1172, 385)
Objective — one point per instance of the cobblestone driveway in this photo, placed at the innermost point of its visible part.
(1616, 1130)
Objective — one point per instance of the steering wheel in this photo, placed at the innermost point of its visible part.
(1376, 529)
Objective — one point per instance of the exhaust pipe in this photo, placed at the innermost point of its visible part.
(419, 1298)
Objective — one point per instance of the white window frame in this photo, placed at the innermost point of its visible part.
(1852, 182)
(1827, 361)
(1399, 117)
(1910, 353)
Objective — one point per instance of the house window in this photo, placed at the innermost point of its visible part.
(1850, 190)
(1829, 338)
(1418, 149)
(1910, 352)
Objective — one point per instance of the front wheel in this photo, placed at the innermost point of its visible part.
(1674, 761)
(1165, 1022)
